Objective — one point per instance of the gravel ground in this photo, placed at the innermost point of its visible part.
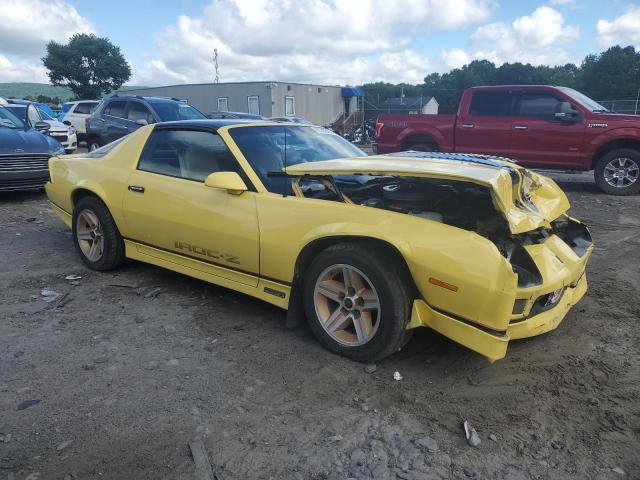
(116, 378)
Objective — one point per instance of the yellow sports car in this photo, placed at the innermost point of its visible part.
(367, 248)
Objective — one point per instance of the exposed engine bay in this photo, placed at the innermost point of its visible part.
(460, 204)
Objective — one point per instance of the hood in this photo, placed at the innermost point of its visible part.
(27, 142)
(527, 200)
(57, 126)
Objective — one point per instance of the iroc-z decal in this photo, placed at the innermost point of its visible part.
(207, 252)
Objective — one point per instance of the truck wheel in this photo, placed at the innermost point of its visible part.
(94, 144)
(96, 236)
(357, 302)
(618, 172)
(424, 147)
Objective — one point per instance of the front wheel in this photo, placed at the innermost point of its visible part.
(358, 301)
(618, 172)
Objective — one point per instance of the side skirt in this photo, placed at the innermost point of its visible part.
(270, 291)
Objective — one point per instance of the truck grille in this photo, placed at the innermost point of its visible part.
(24, 163)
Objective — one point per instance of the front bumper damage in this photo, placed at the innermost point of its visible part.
(535, 310)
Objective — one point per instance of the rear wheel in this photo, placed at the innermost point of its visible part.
(94, 144)
(96, 236)
(423, 147)
(358, 302)
(618, 172)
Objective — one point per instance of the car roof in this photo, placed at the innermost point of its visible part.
(216, 123)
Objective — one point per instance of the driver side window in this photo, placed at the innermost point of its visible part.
(188, 154)
(33, 116)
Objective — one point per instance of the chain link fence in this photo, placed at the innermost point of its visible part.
(629, 107)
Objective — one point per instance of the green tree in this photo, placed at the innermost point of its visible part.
(90, 66)
(612, 74)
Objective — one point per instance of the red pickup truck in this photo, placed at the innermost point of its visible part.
(539, 126)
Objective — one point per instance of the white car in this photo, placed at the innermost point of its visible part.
(31, 115)
(76, 113)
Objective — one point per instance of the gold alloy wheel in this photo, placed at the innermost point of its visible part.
(90, 236)
(347, 305)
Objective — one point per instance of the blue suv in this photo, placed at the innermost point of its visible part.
(120, 115)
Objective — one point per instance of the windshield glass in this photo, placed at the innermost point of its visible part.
(582, 99)
(270, 149)
(170, 111)
(9, 120)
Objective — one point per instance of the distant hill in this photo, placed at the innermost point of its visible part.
(25, 89)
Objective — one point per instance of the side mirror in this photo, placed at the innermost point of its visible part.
(67, 123)
(142, 122)
(229, 181)
(567, 113)
(42, 127)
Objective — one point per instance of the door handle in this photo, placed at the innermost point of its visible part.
(136, 188)
(468, 125)
(520, 127)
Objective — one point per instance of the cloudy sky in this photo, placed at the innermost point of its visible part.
(317, 41)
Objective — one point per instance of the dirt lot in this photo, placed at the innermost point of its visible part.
(125, 379)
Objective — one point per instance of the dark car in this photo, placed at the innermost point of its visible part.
(24, 153)
(118, 116)
(248, 116)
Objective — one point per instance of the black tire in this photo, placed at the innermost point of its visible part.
(94, 143)
(423, 147)
(395, 291)
(113, 251)
(632, 158)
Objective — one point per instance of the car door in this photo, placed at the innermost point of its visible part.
(114, 124)
(138, 114)
(541, 140)
(169, 209)
(485, 126)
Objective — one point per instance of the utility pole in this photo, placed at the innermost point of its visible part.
(635, 111)
(215, 63)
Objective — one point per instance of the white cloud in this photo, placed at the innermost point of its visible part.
(537, 38)
(21, 72)
(324, 41)
(28, 25)
(621, 30)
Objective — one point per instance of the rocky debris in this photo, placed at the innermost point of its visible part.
(473, 439)
(493, 437)
(396, 376)
(63, 445)
(28, 403)
(428, 443)
(619, 471)
(370, 368)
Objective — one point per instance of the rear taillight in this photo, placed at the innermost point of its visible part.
(379, 126)
(86, 122)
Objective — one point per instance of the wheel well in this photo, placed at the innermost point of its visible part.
(79, 194)
(614, 145)
(417, 139)
(387, 250)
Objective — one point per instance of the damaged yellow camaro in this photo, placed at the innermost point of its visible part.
(367, 248)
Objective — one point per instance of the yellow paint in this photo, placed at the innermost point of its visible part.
(250, 241)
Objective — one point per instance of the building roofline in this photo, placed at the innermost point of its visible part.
(229, 83)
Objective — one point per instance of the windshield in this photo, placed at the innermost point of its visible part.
(582, 99)
(9, 120)
(270, 149)
(170, 111)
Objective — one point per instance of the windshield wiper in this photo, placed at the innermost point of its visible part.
(601, 110)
